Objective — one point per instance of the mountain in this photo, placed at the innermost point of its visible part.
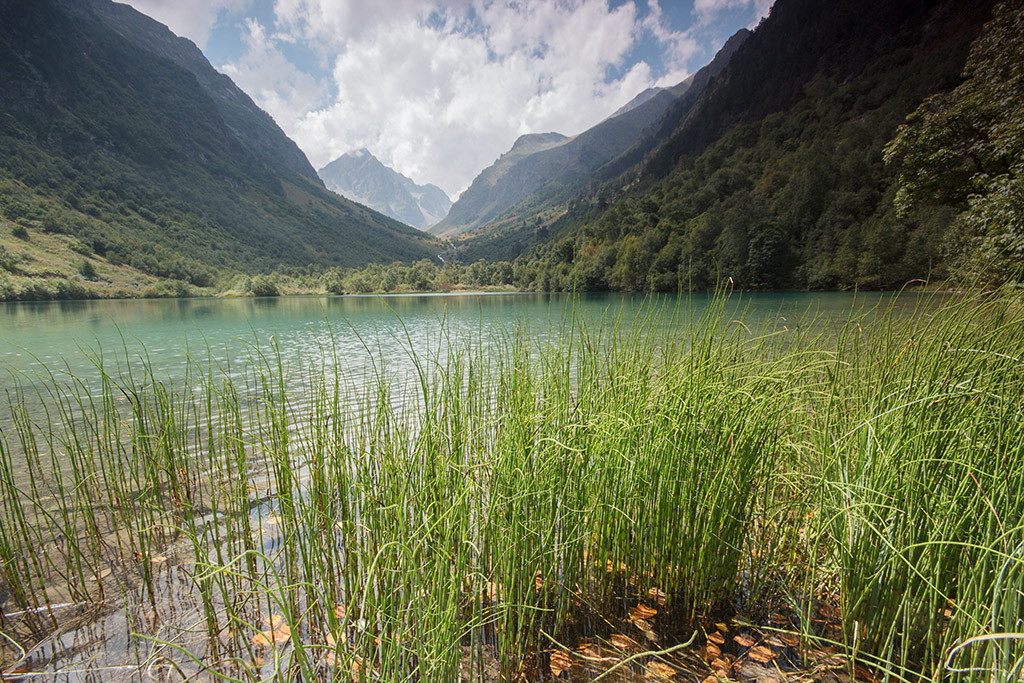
(359, 176)
(120, 145)
(539, 174)
(774, 175)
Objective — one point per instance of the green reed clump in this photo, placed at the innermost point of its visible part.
(308, 520)
(915, 466)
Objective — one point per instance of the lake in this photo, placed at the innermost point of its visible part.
(65, 337)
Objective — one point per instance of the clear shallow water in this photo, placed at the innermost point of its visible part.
(67, 337)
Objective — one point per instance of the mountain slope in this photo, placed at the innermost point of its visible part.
(524, 186)
(775, 177)
(125, 153)
(361, 177)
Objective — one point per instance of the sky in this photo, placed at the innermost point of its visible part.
(439, 89)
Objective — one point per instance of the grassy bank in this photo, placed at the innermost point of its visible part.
(831, 496)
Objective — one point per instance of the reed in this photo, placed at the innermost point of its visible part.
(647, 474)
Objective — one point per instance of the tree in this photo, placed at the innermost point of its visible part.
(965, 149)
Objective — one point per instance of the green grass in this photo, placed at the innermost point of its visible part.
(863, 479)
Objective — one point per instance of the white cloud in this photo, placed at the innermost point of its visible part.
(441, 99)
(277, 85)
(707, 9)
(190, 18)
(438, 89)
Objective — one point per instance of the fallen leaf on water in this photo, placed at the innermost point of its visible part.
(790, 639)
(659, 670)
(710, 679)
(774, 641)
(744, 640)
(642, 624)
(651, 636)
(721, 666)
(102, 575)
(623, 642)
(538, 581)
(658, 596)
(158, 558)
(724, 628)
(761, 654)
(712, 651)
(641, 611)
(277, 633)
(560, 661)
(716, 638)
(339, 611)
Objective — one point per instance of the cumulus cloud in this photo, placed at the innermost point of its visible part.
(707, 9)
(190, 18)
(438, 89)
(440, 93)
(285, 92)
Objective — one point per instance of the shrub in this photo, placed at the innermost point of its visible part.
(263, 285)
(20, 232)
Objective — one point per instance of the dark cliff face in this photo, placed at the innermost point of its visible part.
(774, 175)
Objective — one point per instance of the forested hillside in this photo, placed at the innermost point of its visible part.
(776, 178)
(115, 159)
(541, 174)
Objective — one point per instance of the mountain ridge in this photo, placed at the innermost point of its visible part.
(124, 157)
(527, 189)
(361, 177)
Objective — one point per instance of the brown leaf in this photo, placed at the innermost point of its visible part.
(339, 611)
(761, 654)
(651, 636)
(744, 640)
(660, 670)
(721, 666)
(277, 633)
(642, 611)
(642, 625)
(716, 638)
(657, 596)
(724, 628)
(710, 679)
(623, 642)
(790, 639)
(560, 661)
(712, 651)
(538, 581)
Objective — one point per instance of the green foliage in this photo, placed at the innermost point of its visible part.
(965, 149)
(126, 152)
(777, 179)
(262, 285)
(87, 270)
(20, 232)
